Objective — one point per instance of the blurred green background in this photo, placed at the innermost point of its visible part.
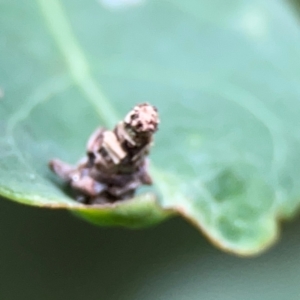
(52, 255)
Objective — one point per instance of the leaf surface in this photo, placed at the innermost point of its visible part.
(225, 78)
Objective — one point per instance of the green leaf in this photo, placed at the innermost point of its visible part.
(225, 78)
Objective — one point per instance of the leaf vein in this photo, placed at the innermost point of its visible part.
(78, 66)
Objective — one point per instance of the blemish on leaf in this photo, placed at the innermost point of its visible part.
(226, 184)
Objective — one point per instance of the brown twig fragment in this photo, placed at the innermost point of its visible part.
(115, 164)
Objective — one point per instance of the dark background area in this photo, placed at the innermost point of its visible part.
(48, 254)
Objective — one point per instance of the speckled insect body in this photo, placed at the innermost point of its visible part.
(116, 161)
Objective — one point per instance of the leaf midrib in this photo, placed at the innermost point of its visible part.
(78, 66)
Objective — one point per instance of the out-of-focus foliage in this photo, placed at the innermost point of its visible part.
(48, 255)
